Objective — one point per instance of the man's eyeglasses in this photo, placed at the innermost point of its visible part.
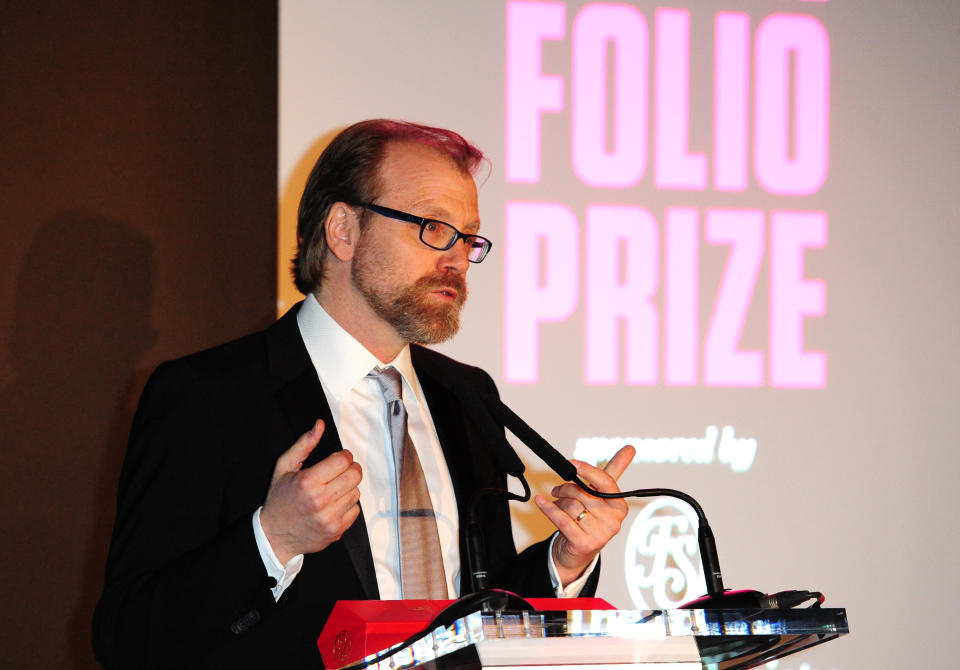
(437, 234)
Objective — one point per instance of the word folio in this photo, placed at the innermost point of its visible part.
(623, 101)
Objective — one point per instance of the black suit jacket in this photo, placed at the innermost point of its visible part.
(185, 585)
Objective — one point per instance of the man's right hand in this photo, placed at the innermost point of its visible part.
(306, 510)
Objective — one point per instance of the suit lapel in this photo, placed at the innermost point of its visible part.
(461, 439)
(456, 441)
(301, 400)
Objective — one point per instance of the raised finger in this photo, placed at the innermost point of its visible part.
(293, 458)
(606, 479)
(595, 477)
(618, 464)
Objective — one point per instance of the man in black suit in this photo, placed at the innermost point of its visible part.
(231, 546)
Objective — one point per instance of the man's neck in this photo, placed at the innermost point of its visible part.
(362, 323)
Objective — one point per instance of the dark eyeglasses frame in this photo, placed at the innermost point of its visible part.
(473, 241)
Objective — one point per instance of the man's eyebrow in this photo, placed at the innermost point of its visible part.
(444, 216)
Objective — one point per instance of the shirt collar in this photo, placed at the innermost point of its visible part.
(340, 360)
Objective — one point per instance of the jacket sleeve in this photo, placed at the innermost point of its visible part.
(183, 574)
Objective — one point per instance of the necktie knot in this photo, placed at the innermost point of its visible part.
(389, 381)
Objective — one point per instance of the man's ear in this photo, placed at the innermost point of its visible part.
(342, 227)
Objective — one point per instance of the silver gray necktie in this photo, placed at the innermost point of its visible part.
(421, 560)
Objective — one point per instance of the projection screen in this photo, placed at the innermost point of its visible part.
(724, 232)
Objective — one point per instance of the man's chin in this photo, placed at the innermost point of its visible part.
(419, 315)
(434, 328)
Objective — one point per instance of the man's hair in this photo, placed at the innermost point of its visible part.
(347, 171)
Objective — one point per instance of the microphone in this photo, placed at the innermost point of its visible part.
(489, 424)
(559, 464)
(716, 597)
(490, 432)
(543, 449)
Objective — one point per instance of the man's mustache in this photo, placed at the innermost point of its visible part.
(444, 280)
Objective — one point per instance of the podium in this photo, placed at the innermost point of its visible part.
(578, 639)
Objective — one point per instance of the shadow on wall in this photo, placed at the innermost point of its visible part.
(80, 326)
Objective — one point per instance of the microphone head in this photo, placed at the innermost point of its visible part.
(547, 453)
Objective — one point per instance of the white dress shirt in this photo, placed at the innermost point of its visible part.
(359, 413)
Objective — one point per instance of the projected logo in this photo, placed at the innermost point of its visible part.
(662, 560)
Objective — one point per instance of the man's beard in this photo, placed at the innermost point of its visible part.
(413, 313)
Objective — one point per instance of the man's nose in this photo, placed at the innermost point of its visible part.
(456, 258)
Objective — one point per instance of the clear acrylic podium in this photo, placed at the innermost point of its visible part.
(614, 639)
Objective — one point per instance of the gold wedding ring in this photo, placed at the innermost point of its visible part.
(582, 514)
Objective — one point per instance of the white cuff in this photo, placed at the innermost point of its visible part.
(283, 574)
(571, 590)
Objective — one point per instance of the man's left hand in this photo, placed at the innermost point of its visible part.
(586, 523)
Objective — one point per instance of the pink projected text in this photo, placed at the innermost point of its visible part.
(633, 273)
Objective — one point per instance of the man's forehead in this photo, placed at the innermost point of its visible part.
(410, 151)
(426, 177)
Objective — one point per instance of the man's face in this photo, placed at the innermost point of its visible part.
(419, 291)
